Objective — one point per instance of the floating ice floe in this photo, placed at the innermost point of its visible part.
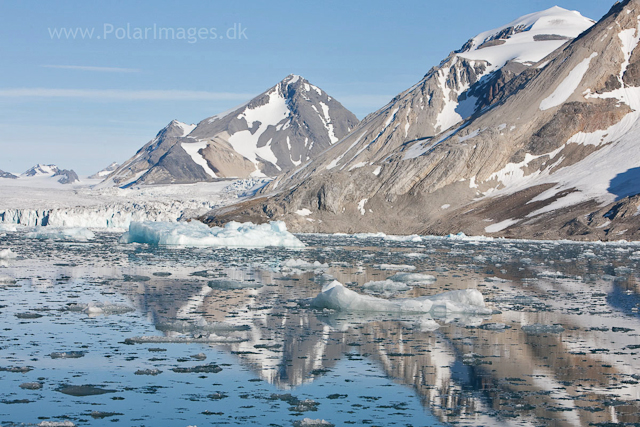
(412, 278)
(308, 422)
(8, 228)
(52, 233)
(395, 267)
(7, 254)
(66, 423)
(149, 339)
(393, 238)
(462, 236)
(99, 308)
(233, 234)
(336, 297)
(6, 279)
(302, 264)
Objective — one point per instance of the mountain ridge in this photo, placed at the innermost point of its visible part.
(529, 154)
(277, 130)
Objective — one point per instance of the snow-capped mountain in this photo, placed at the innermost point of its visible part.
(105, 172)
(520, 133)
(40, 170)
(8, 175)
(65, 176)
(287, 125)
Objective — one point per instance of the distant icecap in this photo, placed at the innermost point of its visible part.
(233, 234)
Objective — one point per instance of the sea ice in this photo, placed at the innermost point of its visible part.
(335, 296)
(394, 267)
(52, 233)
(99, 308)
(233, 234)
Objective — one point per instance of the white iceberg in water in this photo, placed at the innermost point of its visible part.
(233, 234)
(7, 254)
(8, 227)
(55, 233)
(336, 297)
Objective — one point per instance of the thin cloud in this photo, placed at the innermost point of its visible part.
(98, 69)
(125, 95)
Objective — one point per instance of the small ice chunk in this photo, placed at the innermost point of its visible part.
(67, 354)
(308, 422)
(297, 263)
(233, 234)
(31, 386)
(394, 267)
(100, 308)
(65, 423)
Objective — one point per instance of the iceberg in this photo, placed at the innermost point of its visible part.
(232, 235)
(51, 233)
(336, 297)
(8, 227)
(7, 254)
(386, 287)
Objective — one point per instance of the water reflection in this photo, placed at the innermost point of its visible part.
(463, 369)
(574, 364)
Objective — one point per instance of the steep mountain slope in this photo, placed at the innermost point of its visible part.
(283, 127)
(548, 150)
(464, 83)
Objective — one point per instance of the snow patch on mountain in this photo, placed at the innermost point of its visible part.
(192, 149)
(270, 114)
(527, 39)
(105, 172)
(186, 129)
(568, 85)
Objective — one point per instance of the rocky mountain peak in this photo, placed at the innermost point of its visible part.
(40, 170)
(285, 126)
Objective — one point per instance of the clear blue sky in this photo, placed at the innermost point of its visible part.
(83, 103)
